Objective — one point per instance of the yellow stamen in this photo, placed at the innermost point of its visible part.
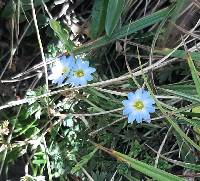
(138, 105)
(79, 73)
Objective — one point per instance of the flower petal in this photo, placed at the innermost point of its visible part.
(150, 109)
(90, 70)
(59, 80)
(126, 102)
(127, 110)
(131, 95)
(131, 118)
(137, 113)
(139, 117)
(81, 66)
(138, 93)
(145, 115)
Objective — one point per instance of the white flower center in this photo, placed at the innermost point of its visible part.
(65, 70)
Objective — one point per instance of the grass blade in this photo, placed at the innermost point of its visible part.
(142, 167)
(194, 73)
(181, 94)
(125, 30)
(83, 161)
(115, 8)
(62, 34)
(171, 122)
(98, 18)
(178, 54)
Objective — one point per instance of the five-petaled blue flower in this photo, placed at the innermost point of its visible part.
(81, 73)
(61, 69)
(138, 106)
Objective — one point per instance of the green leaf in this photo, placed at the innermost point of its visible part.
(62, 34)
(129, 177)
(94, 92)
(183, 95)
(26, 128)
(26, 4)
(12, 155)
(187, 88)
(125, 30)
(98, 18)
(172, 122)
(83, 161)
(180, 6)
(142, 167)
(9, 9)
(114, 11)
(33, 109)
(178, 54)
(183, 164)
(39, 162)
(185, 153)
(147, 169)
(194, 73)
(197, 129)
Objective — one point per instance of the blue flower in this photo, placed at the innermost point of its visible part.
(138, 106)
(81, 73)
(61, 69)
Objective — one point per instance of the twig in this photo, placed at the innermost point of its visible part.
(15, 48)
(62, 116)
(12, 40)
(40, 45)
(47, 159)
(46, 9)
(87, 174)
(102, 83)
(161, 147)
(100, 129)
(127, 64)
(9, 140)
